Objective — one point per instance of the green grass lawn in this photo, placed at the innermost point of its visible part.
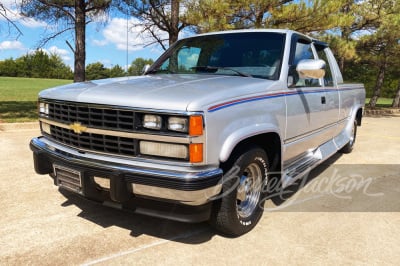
(382, 102)
(18, 97)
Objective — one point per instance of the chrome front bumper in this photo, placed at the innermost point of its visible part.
(188, 186)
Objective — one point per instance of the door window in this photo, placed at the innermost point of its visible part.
(303, 51)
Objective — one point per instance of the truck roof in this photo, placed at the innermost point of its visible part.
(283, 31)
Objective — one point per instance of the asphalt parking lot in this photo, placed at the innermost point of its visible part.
(347, 213)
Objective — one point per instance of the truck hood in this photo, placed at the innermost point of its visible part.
(189, 92)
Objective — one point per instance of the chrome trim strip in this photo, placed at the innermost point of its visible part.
(140, 136)
(193, 198)
(132, 169)
(115, 158)
(294, 139)
(63, 147)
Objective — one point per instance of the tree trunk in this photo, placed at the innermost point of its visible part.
(396, 100)
(173, 34)
(341, 64)
(80, 36)
(378, 84)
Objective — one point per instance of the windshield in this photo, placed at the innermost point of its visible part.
(250, 54)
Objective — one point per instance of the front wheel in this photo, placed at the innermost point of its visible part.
(241, 204)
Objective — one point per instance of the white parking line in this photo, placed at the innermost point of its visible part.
(132, 251)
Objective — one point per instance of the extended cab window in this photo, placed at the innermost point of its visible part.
(328, 78)
(257, 55)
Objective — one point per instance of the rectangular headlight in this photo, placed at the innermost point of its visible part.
(179, 124)
(44, 109)
(152, 122)
(164, 149)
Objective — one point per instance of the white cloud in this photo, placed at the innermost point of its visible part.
(64, 54)
(16, 17)
(11, 4)
(11, 45)
(56, 50)
(31, 23)
(99, 42)
(116, 33)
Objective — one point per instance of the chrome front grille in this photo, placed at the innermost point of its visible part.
(94, 116)
(101, 128)
(97, 117)
(95, 142)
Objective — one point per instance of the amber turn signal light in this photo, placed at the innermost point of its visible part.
(196, 125)
(196, 152)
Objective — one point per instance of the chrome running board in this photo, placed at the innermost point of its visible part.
(302, 166)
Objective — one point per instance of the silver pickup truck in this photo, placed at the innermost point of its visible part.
(200, 135)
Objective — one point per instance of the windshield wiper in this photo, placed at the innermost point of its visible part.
(153, 71)
(213, 69)
(156, 70)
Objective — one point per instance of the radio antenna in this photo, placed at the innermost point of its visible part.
(127, 40)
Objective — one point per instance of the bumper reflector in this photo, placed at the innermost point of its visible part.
(102, 182)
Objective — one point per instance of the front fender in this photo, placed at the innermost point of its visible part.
(242, 134)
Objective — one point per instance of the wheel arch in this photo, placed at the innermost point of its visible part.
(270, 142)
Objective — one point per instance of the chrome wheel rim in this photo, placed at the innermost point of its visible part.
(249, 190)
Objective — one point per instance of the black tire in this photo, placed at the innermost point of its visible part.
(241, 204)
(348, 148)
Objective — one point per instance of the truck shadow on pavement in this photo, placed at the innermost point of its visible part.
(335, 187)
(329, 178)
(137, 224)
(283, 195)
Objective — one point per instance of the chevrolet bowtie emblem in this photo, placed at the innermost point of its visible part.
(77, 128)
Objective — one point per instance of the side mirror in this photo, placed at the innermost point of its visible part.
(310, 68)
(145, 69)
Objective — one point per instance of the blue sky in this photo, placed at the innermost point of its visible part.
(105, 42)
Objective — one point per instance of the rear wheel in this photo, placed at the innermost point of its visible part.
(350, 145)
(241, 205)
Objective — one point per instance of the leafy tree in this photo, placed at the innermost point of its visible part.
(309, 15)
(8, 68)
(305, 15)
(96, 71)
(117, 71)
(36, 65)
(58, 69)
(208, 15)
(68, 15)
(211, 15)
(255, 14)
(137, 66)
(381, 47)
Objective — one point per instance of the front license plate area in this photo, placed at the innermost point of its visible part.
(69, 179)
